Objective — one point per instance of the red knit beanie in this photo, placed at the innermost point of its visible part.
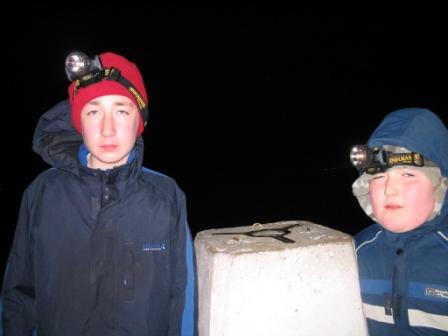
(108, 87)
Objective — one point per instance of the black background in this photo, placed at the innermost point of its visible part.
(253, 109)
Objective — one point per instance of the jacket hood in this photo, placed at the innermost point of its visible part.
(418, 130)
(55, 139)
(57, 142)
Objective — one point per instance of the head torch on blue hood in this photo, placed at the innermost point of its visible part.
(379, 159)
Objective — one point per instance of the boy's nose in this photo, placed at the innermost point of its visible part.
(108, 125)
(391, 187)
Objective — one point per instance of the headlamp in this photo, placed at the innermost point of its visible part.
(85, 71)
(78, 64)
(377, 159)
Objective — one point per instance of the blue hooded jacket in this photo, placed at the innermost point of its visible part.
(98, 252)
(404, 276)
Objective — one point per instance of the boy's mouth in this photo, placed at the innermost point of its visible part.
(393, 206)
(108, 148)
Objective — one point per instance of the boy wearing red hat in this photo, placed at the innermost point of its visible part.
(102, 246)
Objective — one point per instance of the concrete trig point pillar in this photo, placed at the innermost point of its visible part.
(284, 278)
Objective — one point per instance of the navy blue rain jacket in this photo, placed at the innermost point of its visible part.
(98, 252)
(404, 276)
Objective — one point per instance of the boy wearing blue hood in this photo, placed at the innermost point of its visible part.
(403, 257)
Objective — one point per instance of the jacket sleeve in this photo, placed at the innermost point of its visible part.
(18, 298)
(184, 298)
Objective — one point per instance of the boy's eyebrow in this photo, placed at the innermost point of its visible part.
(119, 103)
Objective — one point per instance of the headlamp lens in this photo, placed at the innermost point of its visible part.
(77, 64)
(360, 156)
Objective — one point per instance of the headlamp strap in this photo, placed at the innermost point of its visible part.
(413, 159)
(397, 159)
(96, 76)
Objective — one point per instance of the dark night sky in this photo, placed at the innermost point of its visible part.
(253, 108)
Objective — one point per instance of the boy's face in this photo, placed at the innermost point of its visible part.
(109, 129)
(402, 199)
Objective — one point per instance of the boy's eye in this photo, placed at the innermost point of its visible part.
(408, 174)
(92, 112)
(123, 112)
(377, 176)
